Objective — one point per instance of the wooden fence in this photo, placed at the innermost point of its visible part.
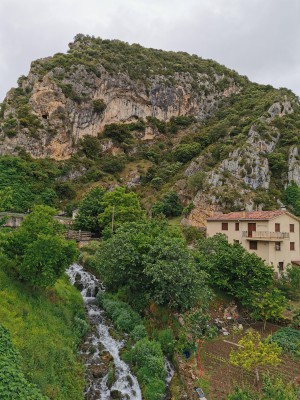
(79, 236)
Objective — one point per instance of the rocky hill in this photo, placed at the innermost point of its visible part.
(114, 112)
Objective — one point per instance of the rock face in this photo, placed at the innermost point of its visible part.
(246, 169)
(294, 166)
(63, 103)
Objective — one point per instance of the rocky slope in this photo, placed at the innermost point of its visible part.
(61, 95)
(156, 121)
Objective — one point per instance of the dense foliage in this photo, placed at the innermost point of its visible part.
(89, 209)
(288, 339)
(152, 260)
(46, 327)
(233, 269)
(39, 251)
(13, 384)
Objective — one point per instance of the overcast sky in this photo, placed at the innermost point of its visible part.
(257, 38)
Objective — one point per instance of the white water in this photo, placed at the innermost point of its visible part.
(125, 382)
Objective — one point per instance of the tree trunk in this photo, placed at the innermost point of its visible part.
(265, 323)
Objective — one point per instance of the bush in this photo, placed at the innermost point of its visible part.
(117, 132)
(90, 146)
(139, 332)
(166, 339)
(99, 106)
(170, 206)
(121, 313)
(288, 339)
(113, 164)
(185, 152)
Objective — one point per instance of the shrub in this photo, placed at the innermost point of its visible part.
(139, 332)
(113, 164)
(185, 152)
(121, 313)
(90, 146)
(288, 339)
(117, 132)
(170, 206)
(99, 106)
(166, 339)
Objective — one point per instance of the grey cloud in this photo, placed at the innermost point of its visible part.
(257, 38)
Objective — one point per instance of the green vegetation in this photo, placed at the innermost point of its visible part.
(273, 389)
(99, 106)
(46, 329)
(147, 359)
(140, 63)
(170, 206)
(234, 270)
(254, 353)
(119, 206)
(269, 306)
(88, 211)
(288, 339)
(13, 384)
(151, 259)
(40, 253)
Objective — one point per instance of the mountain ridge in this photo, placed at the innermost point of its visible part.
(165, 120)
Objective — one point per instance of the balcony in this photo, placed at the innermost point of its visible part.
(265, 235)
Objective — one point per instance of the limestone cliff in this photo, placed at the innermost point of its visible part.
(60, 94)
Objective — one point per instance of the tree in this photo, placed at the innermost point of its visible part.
(291, 197)
(233, 269)
(254, 353)
(89, 210)
(6, 196)
(172, 273)
(119, 207)
(40, 252)
(151, 258)
(46, 259)
(90, 146)
(269, 305)
(293, 277)
(170, 206)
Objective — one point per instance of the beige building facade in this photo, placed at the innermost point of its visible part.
(273, 235)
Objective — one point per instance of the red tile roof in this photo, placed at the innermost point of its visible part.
(248, 215)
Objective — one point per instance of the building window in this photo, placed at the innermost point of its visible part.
(277, 246)
(224, 226)
(237, 226)
(292, 245)
(280, 266)
(235, 241)
(292, 228)
(277, 227)
(252, 245)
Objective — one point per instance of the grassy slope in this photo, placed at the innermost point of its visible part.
(43, 330)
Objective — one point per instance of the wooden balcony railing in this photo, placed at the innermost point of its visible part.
(265, 235)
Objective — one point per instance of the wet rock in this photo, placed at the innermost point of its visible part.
(106, 357)
(116, 395)
(98, 370)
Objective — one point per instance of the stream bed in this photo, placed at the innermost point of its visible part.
(99, 347)
(100, 350)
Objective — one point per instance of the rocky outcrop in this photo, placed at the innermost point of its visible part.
(294, 166)
(63, 102)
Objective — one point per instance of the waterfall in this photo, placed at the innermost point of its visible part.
(98, 342)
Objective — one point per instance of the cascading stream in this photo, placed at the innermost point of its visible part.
(98, 343)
